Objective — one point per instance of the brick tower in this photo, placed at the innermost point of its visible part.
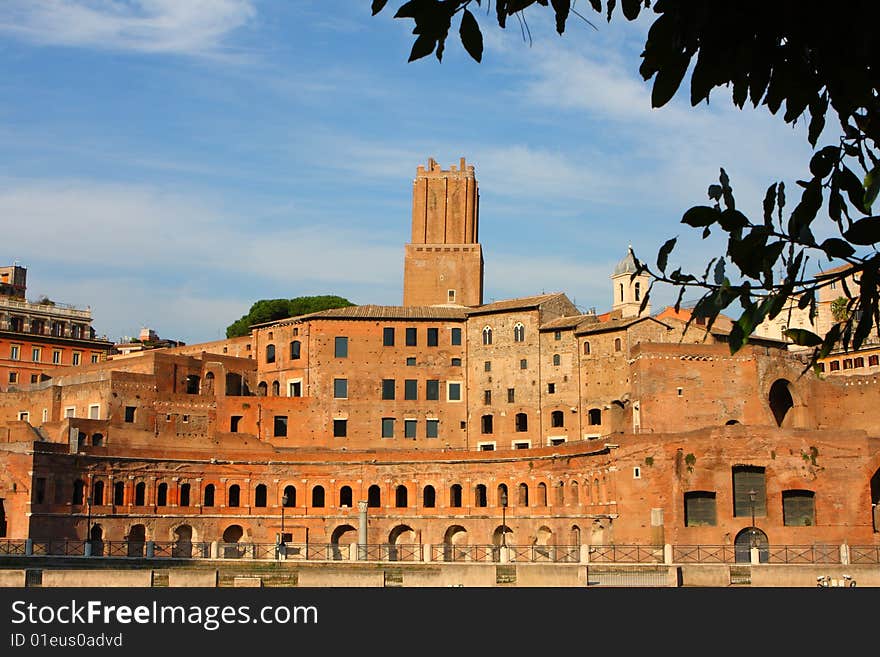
(444, 263)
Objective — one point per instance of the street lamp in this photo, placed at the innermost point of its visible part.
(89, 523)
(752, 536)
(281, 544)
(504, 519)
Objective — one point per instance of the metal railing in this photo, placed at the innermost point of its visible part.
(444, 552)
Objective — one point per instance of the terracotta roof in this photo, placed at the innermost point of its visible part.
(615, 324)
(834, 270)
(386, 312)
(568, 322)
(521, 303)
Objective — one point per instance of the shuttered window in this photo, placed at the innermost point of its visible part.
(798, 508)
(748, 478)
(699, 509)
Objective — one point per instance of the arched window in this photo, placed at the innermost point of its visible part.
(429, 497)
(400, 496)
(455, 495)
(345, 496)
(208, 495)
(586, 348)
(140, 494)
(502, 494)
(295, 347)
(638, 292)
(97, 439)
(557, 359)
(260, 495)
(374, 496)
(184, 495)
(620, 289)
(289, 496)
(557, 419)
(560, 494)
(234, 496)
(523, 494)
(119, 493)
(519, 332)
(617, 344)
(98, 493)
(162, 494)
(573, 496)
(270, 353)
(542, 494)
(79, 488)
(276, 388)
(522, 422)
(262, 389)
(594, 416)
(480, 497)
(318, 496)
(487, 335)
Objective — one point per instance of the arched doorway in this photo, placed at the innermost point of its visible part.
(780, 400)
(137, 538)
(875, 500)
(182, 542)
(96, 537)
(231, 536)
(543, 543)
(748, 538)
(400, 536)
(342, 535)
(453, 540)
(503, 535)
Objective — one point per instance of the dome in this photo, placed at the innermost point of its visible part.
(627, 265)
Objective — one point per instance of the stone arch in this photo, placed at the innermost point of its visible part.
(575, 535)
(276, 388)
(746, 539)
(260, 495)
(98, 493)
(780, 400)
(137, 538)
(288, 496)
(400, 535)
(523, 494)
(454, 536)
(96, 538)
(183, 540)
(502, 495)
(374, 496)
(97, 440)
(502, 535)
(318, 496)
(544, 536)
(345, 496)
(262, 389)
(429, 497)
(342, 535)
(574, 494)
(875, 500)
(481, 497)
(231, 537)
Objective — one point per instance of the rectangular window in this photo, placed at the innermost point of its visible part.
(432, 389)
(411, 339)
(70, 411)
(432, 428)
(551, 388)
(388, 336)
(94, 411)
(511, 394)
(450, 296)
(35, 378)
(798, 509)
(487, 366)
(280, 427)
(340, 349)
(388, 388)
(95, 358)
(24, 416)
(487, 396)
(388, 427)
(409, 428)
(699, 509)
(129, 413)
(77, 357)
(35, 354)
(14, 352)
(410, 389)
(40, 490)
(411, 361)
(294, 388)
(234, 422)
(557, 335)
(56, 357)
(340, 388)
(523, 364)
(340, 428)
(433, 337)
(455, 336)
(749, 492)
(453, 391)
(456, 362)
(13, 377)
(45, 415)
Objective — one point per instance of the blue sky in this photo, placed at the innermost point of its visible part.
(169, 162)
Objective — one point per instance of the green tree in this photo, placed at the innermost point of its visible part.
(813, 60)
(268, 310)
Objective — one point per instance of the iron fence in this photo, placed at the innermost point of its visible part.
(444, 552)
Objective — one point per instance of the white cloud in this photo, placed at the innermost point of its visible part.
(194, 27)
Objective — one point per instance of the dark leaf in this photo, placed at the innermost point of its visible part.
(378, 5)
(732, 220)
(864, 232)
(837, 248)
(700, 215)
(678, 300)
(817, 117)
(718, 274)
(669, 78)
(715, 192)
(663, 255)
(736, 339)
(471, 37)
(645, 299)
(850, 183)
(805, 211)
(829, 341)
(824, 160)
(424, 45)
(412, 9)
(803, 337)
(769, 204)
(597, 6)
(562, 7)
(631, 9)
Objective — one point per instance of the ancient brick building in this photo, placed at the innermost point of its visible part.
(454, 421)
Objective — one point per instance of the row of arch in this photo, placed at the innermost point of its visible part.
(559, 493)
